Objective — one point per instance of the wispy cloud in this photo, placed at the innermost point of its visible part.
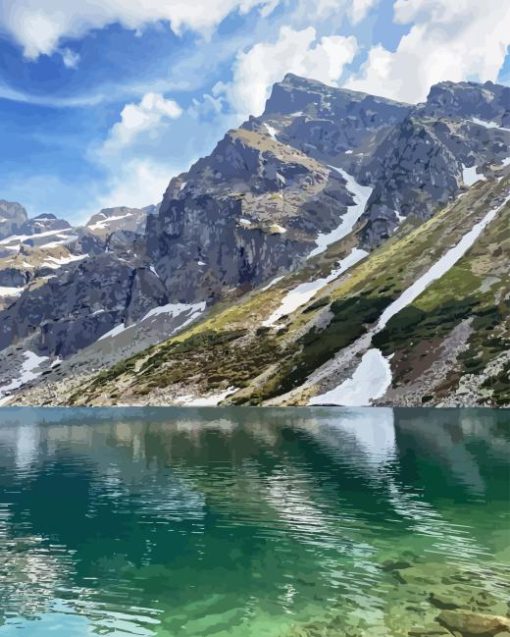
(39, 26)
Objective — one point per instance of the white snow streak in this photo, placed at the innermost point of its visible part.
(273, 132)
(101, 225)
(55, 263)
(118, 329)
(206, 401)
(486, 124)
(271, 283)
(302, 293)
(361, 195)
(370, 381)
(372, 377)
(175, 309)
(19, 238)
(435, 272)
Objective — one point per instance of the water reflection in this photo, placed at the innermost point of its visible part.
(235, 521)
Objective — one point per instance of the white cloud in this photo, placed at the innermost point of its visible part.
(39, 25)
(461, 40)
(70, 58)
(154, 140)
(360, 8)
(145, 117)
(136, 183)
(300, 52)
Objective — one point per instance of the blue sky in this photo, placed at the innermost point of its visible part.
(102, 103)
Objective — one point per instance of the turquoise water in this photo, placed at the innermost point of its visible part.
(250, 522)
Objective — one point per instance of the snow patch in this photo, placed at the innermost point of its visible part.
(63, 240)
(19, 238)
(118, 329)
(488, 124)
(400, 218)
(273, 132)
(470, 176)
(55, 263)
(271, 283)
(6, 291)
(361, 195)
(369, 382)
(172, 309)
(302, 293)
(101, 225)
(32, 361)
(213, 400)
(176, 309)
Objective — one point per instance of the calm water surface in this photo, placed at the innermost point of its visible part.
(249, 522)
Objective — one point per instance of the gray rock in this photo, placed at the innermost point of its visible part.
(65, 314)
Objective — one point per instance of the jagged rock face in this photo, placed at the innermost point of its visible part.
(64, 287)
(326, 122)
(125, 244)
(419, 166)
(414, 172)
(68, 312)
(251, 209)
(489, 102)
(12, 218)
(13, 278)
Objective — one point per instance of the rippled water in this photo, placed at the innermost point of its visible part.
(249, 522)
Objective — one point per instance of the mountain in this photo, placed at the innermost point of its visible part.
(287, 244)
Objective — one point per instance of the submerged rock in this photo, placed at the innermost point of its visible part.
(469, 623)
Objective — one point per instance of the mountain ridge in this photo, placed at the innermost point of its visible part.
(257, 206)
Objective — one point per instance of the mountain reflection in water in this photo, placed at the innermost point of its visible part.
(247, 521)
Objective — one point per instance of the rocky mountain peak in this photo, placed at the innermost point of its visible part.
(487, 102)
(296, 95)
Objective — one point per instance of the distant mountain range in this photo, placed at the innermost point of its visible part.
(339, 249)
